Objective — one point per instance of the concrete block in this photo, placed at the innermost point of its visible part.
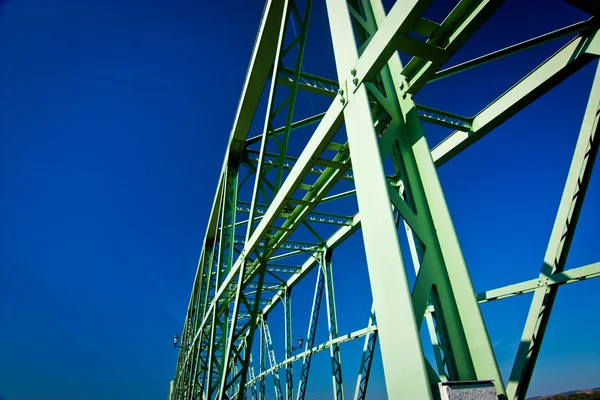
(468, 390)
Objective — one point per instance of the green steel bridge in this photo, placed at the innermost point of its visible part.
(286, 200)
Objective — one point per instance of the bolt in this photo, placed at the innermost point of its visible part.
(353, 72)
(341, 92)
(355, 81)
(401, 85)
(342, 100)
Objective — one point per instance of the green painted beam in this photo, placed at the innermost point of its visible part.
(559, 278)
(241, 282)
(389, 285)
(562, 64)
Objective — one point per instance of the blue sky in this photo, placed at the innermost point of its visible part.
(114, 117)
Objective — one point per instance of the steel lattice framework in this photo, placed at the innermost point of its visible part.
(366, 157)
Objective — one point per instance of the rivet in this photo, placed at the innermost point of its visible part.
(353, 72)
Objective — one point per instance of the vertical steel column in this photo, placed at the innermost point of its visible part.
(399, 336)
(263, 359)
(208, 287)
(289, 103)
(235, 334)
(559, 244)
(193, 313)
(334, 350)
(415, 248)
(192, 383)
(287, 304)
(233, 389)
(443, 277)
(251, 376)
(301, 40)
(289, 7)
(203, 350)
(267, 127)
(437, 345)
(220, 317)
(200, 293)
(212, 331)
(312, 329)
(271, 112)
(210, 365)
(197, 364)
(258, 71)
(272, 360)
(366, 361)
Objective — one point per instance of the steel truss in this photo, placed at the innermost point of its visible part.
(267, 212)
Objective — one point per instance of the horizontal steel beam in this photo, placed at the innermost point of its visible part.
(334, 241)
(295, 125)
(560, 278)
(311, 83)
(324, 346)
(444, 118)
(316, 169)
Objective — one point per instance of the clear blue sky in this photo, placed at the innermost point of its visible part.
(114, 117)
